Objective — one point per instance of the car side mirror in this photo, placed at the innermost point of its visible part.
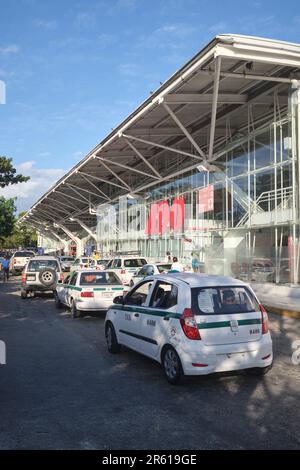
(119, 300)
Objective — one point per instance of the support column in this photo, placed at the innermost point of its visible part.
(88, 230)
(64, 242)
(77, 240)
(295, 108)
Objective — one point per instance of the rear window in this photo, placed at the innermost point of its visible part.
(134, 263)
(65, 258)
(94, 279)
(223, 300)
(37, 265)
(23, 254)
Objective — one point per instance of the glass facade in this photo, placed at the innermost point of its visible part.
(241, 219)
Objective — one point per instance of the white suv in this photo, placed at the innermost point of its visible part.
(193, 324)
(125, 266)
(41, 274)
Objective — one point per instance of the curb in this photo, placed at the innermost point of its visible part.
(283, 312)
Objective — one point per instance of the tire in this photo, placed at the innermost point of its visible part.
(111, 339)
(172, 367)
(74, 312)
(258, 371)
(58, 303)
(47, 277)
(24, 294)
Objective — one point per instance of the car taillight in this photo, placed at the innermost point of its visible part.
(264, 320)
(87, 294)
(123, 271)
(23, 277)
(61, 277)
(15, 260)
(81, 266)
(189, 324)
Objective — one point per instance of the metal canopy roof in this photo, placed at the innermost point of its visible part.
(183, 124)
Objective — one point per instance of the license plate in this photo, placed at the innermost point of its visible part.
(107, 294)
(31, 278)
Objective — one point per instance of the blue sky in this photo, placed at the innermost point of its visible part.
(73, 70)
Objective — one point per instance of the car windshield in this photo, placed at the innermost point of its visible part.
(23, 254)
(65, 258)
(98, 278)
(222, 300)
(37, 265)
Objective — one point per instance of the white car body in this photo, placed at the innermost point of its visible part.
(66, 262)
(101, 264)
(227, 341)
(83, 263)
(150, 270)
(88, 296)
(126, 266)
(19, 260)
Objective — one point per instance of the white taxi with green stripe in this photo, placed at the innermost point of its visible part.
(89, 290)
(193, 324)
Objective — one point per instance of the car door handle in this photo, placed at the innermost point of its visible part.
(136, 314)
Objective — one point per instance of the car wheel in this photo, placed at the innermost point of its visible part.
(172, 366)
(74, 312)
(24, 294)
(58, 303)
(111, 339)
(258, 371)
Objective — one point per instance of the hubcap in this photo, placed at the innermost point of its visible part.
(171, 363)
(47, 276)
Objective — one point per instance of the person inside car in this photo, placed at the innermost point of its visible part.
(228, 297)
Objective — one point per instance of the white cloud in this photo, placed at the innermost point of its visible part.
(218, 28)
(130, 69)
(44, 24)
(169, 36)
(11, 49)
(40, 181)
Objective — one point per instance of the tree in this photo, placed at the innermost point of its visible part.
(8, 175)
(7, 218)
(21, 235)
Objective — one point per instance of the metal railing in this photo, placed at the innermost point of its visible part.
(273, 200)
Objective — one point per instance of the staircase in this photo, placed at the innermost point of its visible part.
(263, 211)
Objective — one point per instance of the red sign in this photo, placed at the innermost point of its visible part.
(206, 199)
(163, 217)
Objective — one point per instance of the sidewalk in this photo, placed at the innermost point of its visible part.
(283, 300)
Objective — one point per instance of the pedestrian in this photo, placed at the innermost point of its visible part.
(168, 258)
(195, 263)
(5, 267)
(176, 266)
